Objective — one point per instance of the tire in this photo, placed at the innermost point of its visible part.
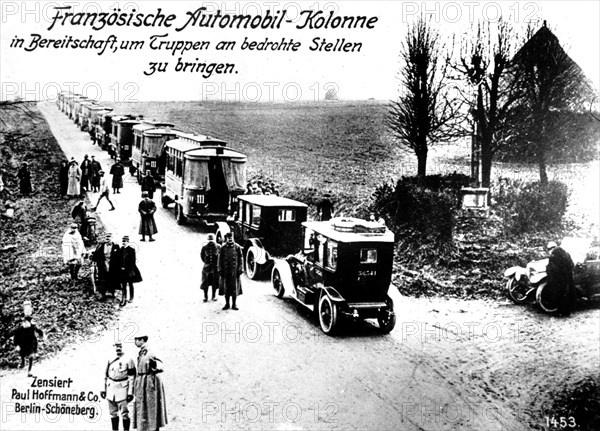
(277, 284)
(179, 217)
(328, 315)
(544, 299)
(387, 320)
(165, 202)
(252, 267)
(518, 291)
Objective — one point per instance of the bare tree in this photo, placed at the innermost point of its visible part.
(423, 114)
(484, 62)
(551, 82)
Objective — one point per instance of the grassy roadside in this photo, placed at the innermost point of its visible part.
(30, 243)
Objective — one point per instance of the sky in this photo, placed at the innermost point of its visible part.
(30, 71)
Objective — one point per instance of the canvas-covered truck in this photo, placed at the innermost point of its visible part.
(202, 178)
(121, 138)
(147, 153)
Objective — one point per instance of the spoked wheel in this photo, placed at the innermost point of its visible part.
(328, 315)
(277, 284)
(518, 290)
(252, 267)
(546, 299)
(387, 318)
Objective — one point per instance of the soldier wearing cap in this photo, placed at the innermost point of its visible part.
(230, 264)
(118, 387)
(210, 272)
(150, 407)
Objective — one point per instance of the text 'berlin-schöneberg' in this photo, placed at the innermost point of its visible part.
(307, 19)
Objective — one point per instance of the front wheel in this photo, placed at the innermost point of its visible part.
(546, 299)
(165, 202)
(252, 266)
(387, 318)
(277, 284)
(328, 315)
(518, 290)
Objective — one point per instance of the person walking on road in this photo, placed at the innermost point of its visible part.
(73, 251)
(24, 176)
(128, 270)
(63, 178)
(119, 378)
(117, 171)
(150, 406)
(104, 192)
(230, 264)
(147, 208)
(148, 184)
(74, 179)
(210, 271)
(26, 342)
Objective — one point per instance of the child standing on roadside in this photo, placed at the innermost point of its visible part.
(26, 342)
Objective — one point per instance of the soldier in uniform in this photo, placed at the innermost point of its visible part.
(210, 273)
(230, 266)
(118, 387)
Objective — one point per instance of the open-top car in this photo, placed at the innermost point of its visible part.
(344, 270)
(265, 226)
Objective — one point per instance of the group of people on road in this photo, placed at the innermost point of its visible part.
(222, 270)
(75, 180)
(117, 268)
(141, 383)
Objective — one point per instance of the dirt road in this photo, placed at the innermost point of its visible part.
(447, 365)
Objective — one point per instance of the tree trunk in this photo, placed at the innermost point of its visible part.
(542, 166)
(422, 165)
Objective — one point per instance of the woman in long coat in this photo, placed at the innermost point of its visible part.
(150, 406)
(63, 177)
(147, 208)
(74, 179)
(24, 176)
